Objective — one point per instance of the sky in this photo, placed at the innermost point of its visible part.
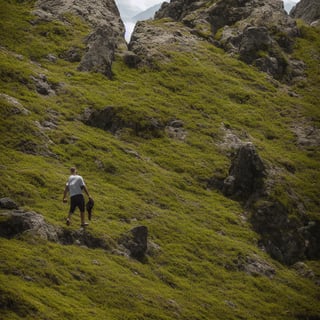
(138, 5)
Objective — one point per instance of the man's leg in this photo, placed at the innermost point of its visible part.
(82, 211)
(69, 219)
(71, 211)
(83, 220)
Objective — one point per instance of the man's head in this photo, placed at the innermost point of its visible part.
(73, 170)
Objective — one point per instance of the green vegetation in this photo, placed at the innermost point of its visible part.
(157, 182)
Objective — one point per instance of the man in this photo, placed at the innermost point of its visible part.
(74, 186)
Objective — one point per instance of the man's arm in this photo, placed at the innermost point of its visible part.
(86, 191)
(66, 189)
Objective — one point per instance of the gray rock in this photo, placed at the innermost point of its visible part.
(311, 233)
(114, 120)
(253, 40)
(107, 34)
(245, 175)
(175, 130)
(147, 39)
(72, 55)
(178, 9)
(280, 234)
(176, 123)
(303, 270)
(52, 58)
(131, 59)
(307, 134)
(255, 266)
(19, 222)
(42, 85)
(307, 10)
(7, 203)
(101, 46)
(17, 107)
(136, 241)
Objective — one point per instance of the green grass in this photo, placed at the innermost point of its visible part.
(157, 182)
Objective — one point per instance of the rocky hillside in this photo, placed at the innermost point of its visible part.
(199, 142)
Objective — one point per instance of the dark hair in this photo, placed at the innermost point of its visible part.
(73, 169)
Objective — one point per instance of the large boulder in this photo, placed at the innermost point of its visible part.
(101, 45)
(106, 38)
(7, 203)
(245, 174)
(21, 222)
(307, 10)
(136, 241)
(148, 37)
(280, 234)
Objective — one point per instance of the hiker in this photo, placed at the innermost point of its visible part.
(74, 186)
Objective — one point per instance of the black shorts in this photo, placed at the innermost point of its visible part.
(77, 201)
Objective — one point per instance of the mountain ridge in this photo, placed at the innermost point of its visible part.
(146, 14)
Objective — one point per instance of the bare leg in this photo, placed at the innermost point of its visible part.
(69, 219)
(83, 221)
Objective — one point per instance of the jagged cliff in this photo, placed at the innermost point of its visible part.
(107, 35)
(308, 11)
(259, 32)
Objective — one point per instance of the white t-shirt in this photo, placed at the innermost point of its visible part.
(75, 184)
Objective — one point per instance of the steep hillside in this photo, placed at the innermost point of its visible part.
(158, 140)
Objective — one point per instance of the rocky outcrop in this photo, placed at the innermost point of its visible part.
(7, 203)
(175, 130)
(42, 85)
(245, 175)
(101, 46)
(307, 10)
(260, 32)
(107, 35)
(280, 235)
(253, 265)
(148, 37)
(136, 242)
(115, 120)
(14, 106)
(307, 134)
(287, 234)
(21, 224)
(118, 119)
(178, 9)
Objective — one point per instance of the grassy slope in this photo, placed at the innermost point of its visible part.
(200, 233)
